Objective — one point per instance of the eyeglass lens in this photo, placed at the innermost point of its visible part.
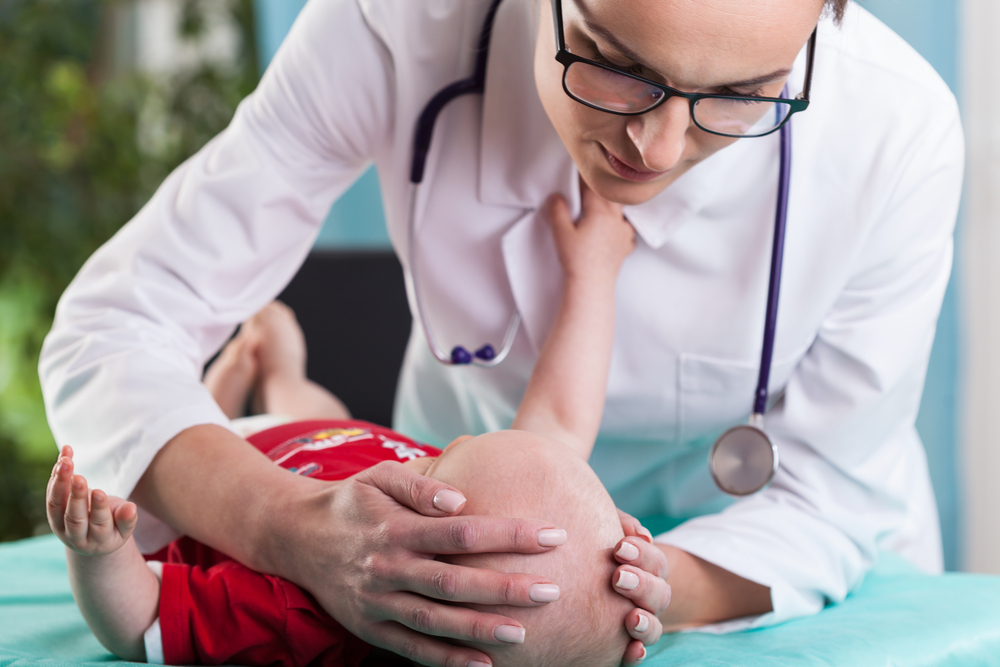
(617, 92)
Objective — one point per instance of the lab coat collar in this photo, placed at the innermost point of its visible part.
(522, 158)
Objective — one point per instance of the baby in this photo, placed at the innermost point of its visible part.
(199, 606)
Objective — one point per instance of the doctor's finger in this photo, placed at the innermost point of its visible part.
(422, 649)
(640, 554)
(455, 583)
(410, 489)
(633, 527)
(479, 534)
(429, 618)
(635, 653)
(647, 591)
(643, 626)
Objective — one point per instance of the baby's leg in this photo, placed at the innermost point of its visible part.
(115, 590)
(232, 376)
(282, 386)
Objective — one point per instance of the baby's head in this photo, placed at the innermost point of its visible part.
(521, 474)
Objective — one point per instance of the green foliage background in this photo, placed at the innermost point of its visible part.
(84, 142)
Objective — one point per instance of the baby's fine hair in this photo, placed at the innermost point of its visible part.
(597, 639)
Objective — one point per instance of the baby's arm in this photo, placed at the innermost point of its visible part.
(565, 395)
(115, 590)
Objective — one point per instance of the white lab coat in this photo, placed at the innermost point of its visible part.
(876, 177)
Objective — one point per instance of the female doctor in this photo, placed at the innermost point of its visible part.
(876, 168)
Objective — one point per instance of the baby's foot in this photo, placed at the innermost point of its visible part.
(278, 341)
(232, 376)
(89, 523)
(280, 348)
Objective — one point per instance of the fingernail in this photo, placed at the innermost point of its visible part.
(544, 593)
(643, 623)
(551, 537)
(510, 634)
(628, 551)
(643, 656)
(476, 663)
(77, 484)
(627, 581)
(642, 530)
(57, 469)
(448, 501)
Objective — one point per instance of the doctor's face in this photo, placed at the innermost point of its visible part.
(729, 47)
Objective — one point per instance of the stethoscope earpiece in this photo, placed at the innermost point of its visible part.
(462, 357)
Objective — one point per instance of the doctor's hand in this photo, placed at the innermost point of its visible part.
(595, 246)
(642, 578)
(373, 568)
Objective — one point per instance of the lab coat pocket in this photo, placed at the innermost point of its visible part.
(714, 394)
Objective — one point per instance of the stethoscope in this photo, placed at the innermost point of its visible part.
(744, 459)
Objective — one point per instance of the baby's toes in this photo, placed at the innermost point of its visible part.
(77, 517)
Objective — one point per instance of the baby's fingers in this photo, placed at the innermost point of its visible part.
(57, 495)
(102, 521)
(126, 516)
(111, 522)
(559, 217)
(77, 517)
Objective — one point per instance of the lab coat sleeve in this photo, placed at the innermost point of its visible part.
(222, 236)
(853, 476)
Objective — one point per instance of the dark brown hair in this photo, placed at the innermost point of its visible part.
(837, 8)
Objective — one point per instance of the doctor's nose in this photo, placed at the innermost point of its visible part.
(661, 134)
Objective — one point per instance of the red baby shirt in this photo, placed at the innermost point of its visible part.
(214, 610)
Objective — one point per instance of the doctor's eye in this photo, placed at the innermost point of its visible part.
(599, 57)
(724, 90)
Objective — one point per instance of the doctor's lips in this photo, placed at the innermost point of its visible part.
(627, 171)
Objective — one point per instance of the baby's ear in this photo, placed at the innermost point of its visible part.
(459, 440)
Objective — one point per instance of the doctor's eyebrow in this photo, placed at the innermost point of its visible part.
(624, 50)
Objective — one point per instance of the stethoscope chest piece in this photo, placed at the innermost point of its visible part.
(743, 460)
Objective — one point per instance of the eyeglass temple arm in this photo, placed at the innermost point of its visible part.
(810, 56)
(557, 23)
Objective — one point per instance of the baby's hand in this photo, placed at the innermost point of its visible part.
(597, 244)
(89, 523)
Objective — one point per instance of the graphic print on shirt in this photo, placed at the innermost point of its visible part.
(403, 451)
(316, 441)
(308, 470)
(322, 439)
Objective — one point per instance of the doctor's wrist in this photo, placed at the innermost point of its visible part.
(287, 525)
(704, 593)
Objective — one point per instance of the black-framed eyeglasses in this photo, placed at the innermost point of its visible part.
(607, 88)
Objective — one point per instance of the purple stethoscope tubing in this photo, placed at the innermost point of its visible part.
(744, 459)
(486, 355)
(774, 283)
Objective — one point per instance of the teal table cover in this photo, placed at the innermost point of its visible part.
(898, 618)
